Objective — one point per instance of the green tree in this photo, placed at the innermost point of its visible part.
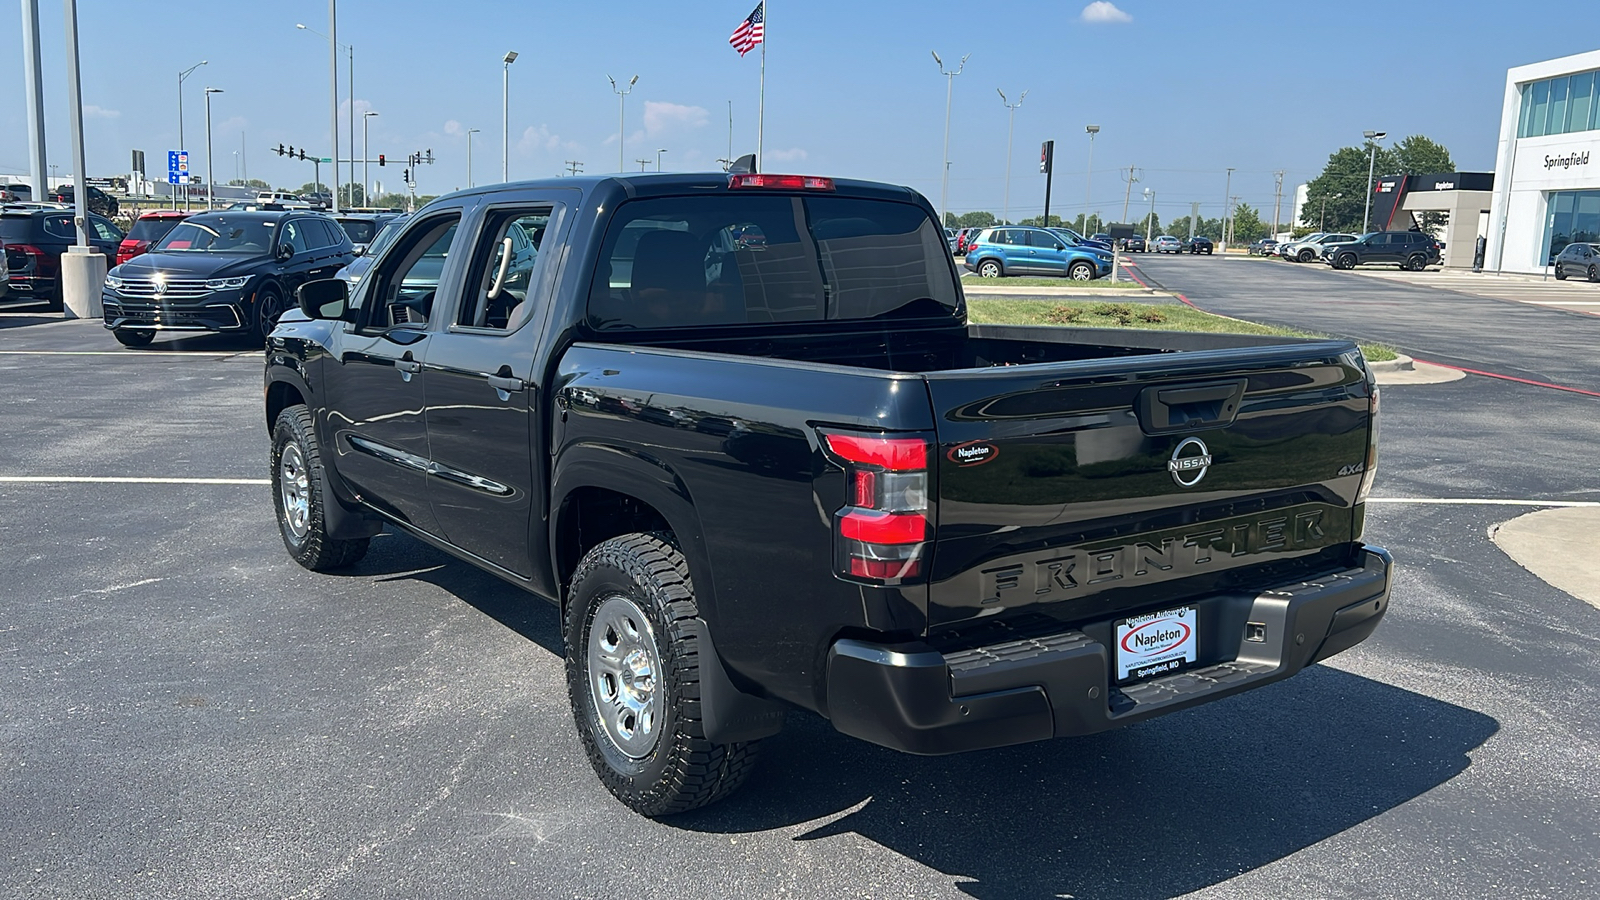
(1151, 223)
(254, 183)
(1037, 221)
(1417, 155)
(1342, 186)
(1247, 224)
(976, 219)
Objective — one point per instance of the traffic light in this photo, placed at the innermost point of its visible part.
(280, 149)
(380, 160)
(405, 175)
(291, 150)
(302, 153)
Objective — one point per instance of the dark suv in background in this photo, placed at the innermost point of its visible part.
(1411, 250)
(35, 239)
(223, 271)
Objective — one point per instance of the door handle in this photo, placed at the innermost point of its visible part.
(408, 366)
(503, 380)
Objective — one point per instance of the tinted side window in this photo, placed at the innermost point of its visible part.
(294, 234)
(59, 227)
(1003, 236)
(1041, 239)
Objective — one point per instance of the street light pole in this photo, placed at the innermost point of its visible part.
(505, 116)
(622, 109)
(658, 159)
(351, 51)
(470, 133)
(1373, 137)
(1226, 212)
(949, 94)
(181, 149)
(1088, 187)
(366, 160)
(333, 95)
(1149, 221)
(1010, 129)
(210, 180)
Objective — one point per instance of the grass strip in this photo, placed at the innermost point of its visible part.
(1161, 317)
(1010, 281)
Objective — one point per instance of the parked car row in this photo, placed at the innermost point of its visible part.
(1411, 250)
(1025, 250)
(34, 240)
(1310, 248)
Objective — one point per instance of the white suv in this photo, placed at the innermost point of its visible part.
(1313, 247)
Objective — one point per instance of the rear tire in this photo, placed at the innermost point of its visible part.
(297, 495)
(54, 301)
(633, 677)
(990, 268)
(1594, 274)
(1417, 262)
(128, 337)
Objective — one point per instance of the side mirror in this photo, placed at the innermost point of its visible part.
(1060, 246)
(328, 298)
(360, 250)
(285, 252)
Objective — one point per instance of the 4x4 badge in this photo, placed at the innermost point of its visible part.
(1187, 470)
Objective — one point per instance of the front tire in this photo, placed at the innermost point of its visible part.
(633, 677)
(128, 337)
(1081, 271)
(269, 306)
(990, 268)
(1344, 261)
(1306, 256)
(297, 495)
(1560, 275)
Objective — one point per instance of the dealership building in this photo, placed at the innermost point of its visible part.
(1547, 185)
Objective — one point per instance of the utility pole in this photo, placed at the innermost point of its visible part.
(1277, 201)
(1010, 129)
(574, 167)
(949, 94)
(1133, 175)
(642, 163)
(1226, 210)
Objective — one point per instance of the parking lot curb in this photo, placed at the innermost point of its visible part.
(1400, 363)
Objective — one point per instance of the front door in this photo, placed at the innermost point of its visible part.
(1049, 253)
(484, 393)
(375, 423)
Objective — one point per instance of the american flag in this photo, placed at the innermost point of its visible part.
(751, 31)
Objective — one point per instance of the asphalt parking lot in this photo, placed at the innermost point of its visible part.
(187, 713)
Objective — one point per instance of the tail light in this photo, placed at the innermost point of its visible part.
(881, 535)
(1370, 473)
(40, 262)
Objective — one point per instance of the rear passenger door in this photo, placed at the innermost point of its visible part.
(484, 394)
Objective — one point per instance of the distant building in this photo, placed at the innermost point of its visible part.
(1547, 189)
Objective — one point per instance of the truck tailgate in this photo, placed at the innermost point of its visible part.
(1082, 489)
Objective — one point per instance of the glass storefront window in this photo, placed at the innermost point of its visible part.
(1560, 105)
(1574, 216)
(1579, 99)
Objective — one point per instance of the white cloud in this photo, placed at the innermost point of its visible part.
(665, 118)
(453, 127)
(99, 112)
(793, 154)
(540, 138)
(361, 108)
(1100, 12)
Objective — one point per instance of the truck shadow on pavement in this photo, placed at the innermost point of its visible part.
(1154, 810)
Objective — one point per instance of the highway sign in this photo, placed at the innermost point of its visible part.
(177, 161)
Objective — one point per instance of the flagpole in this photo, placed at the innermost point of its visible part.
(761, 109)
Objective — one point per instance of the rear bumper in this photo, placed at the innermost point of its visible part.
(913, 698)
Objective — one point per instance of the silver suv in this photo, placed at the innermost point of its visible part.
(1313, 246)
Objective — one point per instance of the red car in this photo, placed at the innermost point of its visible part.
(151, 227)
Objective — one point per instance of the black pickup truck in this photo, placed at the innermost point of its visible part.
(739, 429)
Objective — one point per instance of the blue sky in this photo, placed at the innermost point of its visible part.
(1182, 90)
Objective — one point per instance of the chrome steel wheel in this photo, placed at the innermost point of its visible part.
(625, 676)
(989, 269)
(1081, 272)
(294, 485)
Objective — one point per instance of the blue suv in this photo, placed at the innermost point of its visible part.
(1019, 250)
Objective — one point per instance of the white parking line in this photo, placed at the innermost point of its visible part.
(1562, 302)
(162, 354)
(1460, 501)
(119, 479)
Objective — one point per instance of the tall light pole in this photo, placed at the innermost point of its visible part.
(949, 94)
(333, 96)
(181, 148)
(366, 160)
(470, 133)
(505, 116)
(1227, 212)
(33, 89)
(210, 181)
(1373, 137)
(352, 89)
(1092, 130)
(622, 106)
(1010, 129)
(1150, 220)
(658, 159)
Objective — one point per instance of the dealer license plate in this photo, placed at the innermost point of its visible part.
(1155, 644)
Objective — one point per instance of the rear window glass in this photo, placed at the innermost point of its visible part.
(738, 259)
(16, 229)
(153, 229)
(359, 230)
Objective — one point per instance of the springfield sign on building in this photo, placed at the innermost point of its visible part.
(1546, 191)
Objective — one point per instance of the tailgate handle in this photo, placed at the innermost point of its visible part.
(1190, 407)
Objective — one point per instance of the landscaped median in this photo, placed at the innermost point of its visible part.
(1103, 314)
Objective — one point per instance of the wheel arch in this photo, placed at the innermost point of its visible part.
(282, 392)
(599, 493)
